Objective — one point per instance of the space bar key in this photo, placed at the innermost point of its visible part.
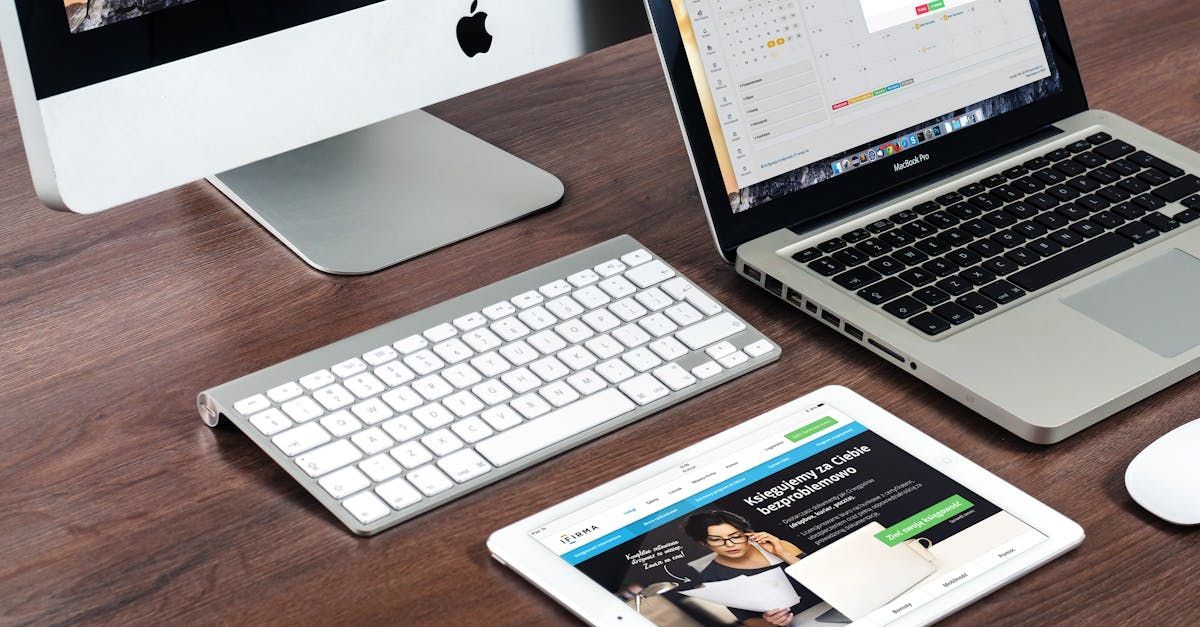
(554, 427)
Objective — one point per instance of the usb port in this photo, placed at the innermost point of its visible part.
(853, 332)
(831, 319)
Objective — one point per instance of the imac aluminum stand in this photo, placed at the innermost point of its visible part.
(386, 193)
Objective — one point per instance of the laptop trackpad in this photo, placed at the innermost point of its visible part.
(1156, 304)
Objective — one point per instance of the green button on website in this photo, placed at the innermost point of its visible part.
(920, 522)
(811, 428)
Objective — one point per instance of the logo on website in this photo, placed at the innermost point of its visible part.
(908, 163)
(573, 537)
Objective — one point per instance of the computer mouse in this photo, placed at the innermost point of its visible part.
(1165, 477)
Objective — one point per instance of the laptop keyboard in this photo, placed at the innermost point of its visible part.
(945, 262)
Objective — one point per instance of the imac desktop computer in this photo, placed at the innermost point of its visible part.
(305, 113)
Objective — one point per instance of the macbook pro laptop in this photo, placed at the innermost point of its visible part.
(927, 178)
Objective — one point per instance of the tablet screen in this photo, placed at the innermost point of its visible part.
(813, 520)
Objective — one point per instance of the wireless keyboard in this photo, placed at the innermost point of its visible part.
(397, 420)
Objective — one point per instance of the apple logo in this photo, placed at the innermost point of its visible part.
(473, 37)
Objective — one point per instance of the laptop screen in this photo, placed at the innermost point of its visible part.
(796, 93)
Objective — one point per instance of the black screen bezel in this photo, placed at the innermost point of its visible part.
(833, 196)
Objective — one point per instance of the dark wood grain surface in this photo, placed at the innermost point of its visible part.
(118, 506)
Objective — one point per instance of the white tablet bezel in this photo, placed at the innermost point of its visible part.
(514, 547)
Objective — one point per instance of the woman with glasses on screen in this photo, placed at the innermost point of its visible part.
(739, 550)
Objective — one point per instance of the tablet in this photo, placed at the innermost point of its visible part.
(827, 510)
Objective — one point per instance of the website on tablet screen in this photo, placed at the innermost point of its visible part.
(815, 520)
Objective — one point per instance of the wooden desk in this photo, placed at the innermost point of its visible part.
(117, 505)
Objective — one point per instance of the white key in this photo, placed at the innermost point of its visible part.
(601, 320)
(559, 393)
(341, 424)
(658, 325)
(411, 344)
(674, 376)
(627, 309)
(432, 387)
(610, 267)
(510, 329)
(555, 289)
(372, 441)
(453, 351)
(591, 297)
(442, 442)
(605, 346)
(586, 382)
(430, 480)
(614, 371)
(654, 299)
(349, 368)
(521, 380)
(530, 405)
(533, 436)
(499, 310)
(380, 356)
(470, 321)
(519, 353)
(527, 299)
(403, 428)
(682, 290)
(334, 397)
(641, 359)
(582, 278)
(299, 439)
(644, 389)
(461, 376)
(411, 455)
(394, 373)
(380, 468)
(471, 430)
(501, 418)
(564, 307)
(492, 392)
(424, 362)
(270, 422)
(285, 392)
(302, 409)
(366, 507)
(576, 357)
(344, 482)
(398, 493)
(318, 379)
(759, 348)
(547, 342)
(734, 359)
(481, 340)
(433, 415)
(537, 318)
(636, 258)
(364, 385)
(720, 349)
(668, 348)
(631, 335)
(650, 273)
(574, 331)
(402, 399)
(328, 458)
(712, 330)
(464, 466)
(684, 314)
(491, 364)
(440, 333)
(706, 370)
(463, 404)
(617, 287)
(549, 369)
(252, 405)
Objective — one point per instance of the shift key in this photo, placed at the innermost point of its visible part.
(709, 331)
